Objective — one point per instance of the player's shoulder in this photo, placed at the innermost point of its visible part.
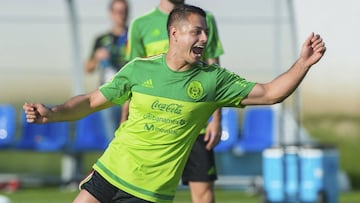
(145, 17)
(103, 36)
(147, 60)
(103, 39)
(208, 67)
(209, 16)
(209, 13)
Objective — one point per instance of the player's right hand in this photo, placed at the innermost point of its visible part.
(101, 54)
(36, 113)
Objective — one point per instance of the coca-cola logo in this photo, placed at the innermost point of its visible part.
(171, 108)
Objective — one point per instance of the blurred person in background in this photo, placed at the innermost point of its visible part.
(108, 57)
(148, 36)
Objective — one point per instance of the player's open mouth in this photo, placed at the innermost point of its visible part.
(197, 50)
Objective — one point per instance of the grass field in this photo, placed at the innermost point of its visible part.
(53, 195)
(56, 195)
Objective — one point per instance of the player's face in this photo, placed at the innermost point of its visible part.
(192, 38)
(118, 13)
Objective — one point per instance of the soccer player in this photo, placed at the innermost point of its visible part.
(172, 97)
(148, 36)
(108, 55)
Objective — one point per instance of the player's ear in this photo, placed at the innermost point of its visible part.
(173, 33)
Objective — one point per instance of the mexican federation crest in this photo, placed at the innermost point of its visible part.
(195, 90)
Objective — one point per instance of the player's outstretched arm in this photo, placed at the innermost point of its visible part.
(73, 109)
(281, 87)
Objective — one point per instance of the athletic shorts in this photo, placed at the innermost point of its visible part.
(200, 166)
(103, 191)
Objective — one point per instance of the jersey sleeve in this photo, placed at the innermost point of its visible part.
(231, 88)
(214, 47)
(135, 47)
(117, 90)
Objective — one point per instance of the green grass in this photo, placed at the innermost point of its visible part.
(56, 195)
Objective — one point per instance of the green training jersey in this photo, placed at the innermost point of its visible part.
(149, 151)
(148, 36)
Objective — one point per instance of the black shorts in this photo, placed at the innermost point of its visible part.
(103, 191)
(200, 166)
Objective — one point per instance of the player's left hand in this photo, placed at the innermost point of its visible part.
(213, 134)
(313, 49)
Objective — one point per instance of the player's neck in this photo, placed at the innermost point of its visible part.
(118, 30)
(165, 6)
(175, 63)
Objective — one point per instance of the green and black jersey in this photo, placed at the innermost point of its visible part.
(167, 111)
(116, 46)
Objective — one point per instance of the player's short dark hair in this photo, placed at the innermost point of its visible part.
(182, 12)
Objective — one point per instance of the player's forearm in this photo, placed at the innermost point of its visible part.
(90, 65)
(73, 109)
(216, 117)
(285, 84)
